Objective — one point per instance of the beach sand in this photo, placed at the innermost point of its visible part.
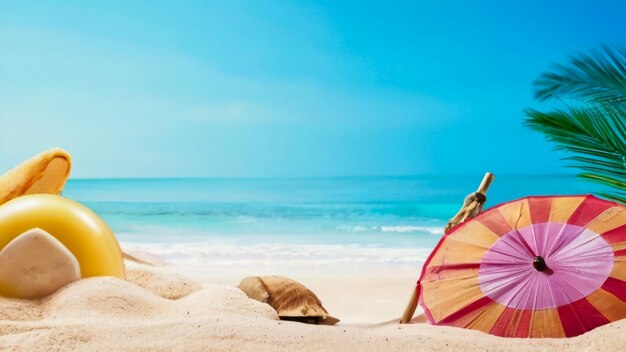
(158, 309)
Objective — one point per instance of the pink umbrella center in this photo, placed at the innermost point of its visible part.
(545, 266)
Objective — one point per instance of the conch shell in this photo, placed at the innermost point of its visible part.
(45, 173)
(291, 300)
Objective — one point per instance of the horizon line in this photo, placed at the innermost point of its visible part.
(312, 177)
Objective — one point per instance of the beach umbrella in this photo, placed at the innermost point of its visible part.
(534, 267)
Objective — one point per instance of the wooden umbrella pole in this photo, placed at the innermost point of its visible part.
(471, 207)
(486, 182)
(411, 307)
(484, 186)
(473, 203)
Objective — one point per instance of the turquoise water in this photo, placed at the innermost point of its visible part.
(326, 217)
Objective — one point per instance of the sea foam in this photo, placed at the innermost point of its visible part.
(224, 254)
(431, 230)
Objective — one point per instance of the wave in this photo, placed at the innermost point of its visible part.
(401, 210)
(434, 230)
(223, 254)
(431, 230)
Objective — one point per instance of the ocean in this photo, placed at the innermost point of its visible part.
(224, 221)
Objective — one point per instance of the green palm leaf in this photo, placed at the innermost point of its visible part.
(593, 128)
(598, 76)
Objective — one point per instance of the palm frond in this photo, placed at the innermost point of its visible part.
(599, 76)
(596, 135)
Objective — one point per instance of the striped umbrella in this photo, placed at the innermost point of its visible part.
(534, 267)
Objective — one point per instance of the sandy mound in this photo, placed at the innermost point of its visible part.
(163, 284)
(157, 311)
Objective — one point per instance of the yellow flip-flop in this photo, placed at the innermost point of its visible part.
(45, 173)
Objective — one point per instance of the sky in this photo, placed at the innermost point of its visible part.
(287, 88)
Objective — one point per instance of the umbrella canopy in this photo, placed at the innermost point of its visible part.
(534, 267)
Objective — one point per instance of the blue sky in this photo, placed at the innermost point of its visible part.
(262, 89)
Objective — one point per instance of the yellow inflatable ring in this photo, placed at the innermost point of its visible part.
(79, 229)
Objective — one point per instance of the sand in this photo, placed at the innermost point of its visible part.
(158, 309)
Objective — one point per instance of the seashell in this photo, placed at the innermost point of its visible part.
(46, 173)
(291, 300)
(35, 264)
